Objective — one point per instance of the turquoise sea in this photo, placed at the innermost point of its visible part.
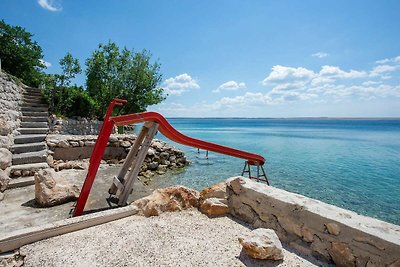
(354, 164)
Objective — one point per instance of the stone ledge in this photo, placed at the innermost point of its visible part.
(312, 227)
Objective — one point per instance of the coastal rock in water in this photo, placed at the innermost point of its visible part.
(51, 189)
(342, 255)
(215, 191)
(5, 158)
(4, 179)
(214, 207)
(173, 198)
(262, 244)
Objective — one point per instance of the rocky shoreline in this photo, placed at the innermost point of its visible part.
(70, 152)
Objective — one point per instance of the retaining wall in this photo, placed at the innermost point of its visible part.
(332, 234)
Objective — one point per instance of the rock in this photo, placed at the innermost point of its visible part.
(395, 263)
(5, 158)
(152, 166)
(215, 191)
(333, 228)
(168, 199)
(162, 168)
(16, 173)
(4, 180)
(148, 174)
(164, 162)
(125, 144)
(214, 207)
(172, 159)
(113, 139)
(74, 143)
(51, 189)
(263, 244)
(90, 143)
(63, 144)
(151, 152)
(342, 255)
(81, 143)
(50, 161)
(164, 155)
(1, 196)
(157, 145)
(5, 142)
(5, 128)
(307, 234)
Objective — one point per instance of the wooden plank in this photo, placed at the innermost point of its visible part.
(133, 174)
(34, 234)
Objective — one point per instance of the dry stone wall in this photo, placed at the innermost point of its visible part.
(312, 227)
(10, 100)
(81, 126)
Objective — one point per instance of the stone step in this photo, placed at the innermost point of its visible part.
(33, 105)
(29, 168)
(30, 147)
(34, 90)
(33, 130)
(30, 157)
(35, 113)
(34, 109)
(29, 138)
(35, 124)
(34, 119)
(33, 101)
(30, 97)
(21, 182)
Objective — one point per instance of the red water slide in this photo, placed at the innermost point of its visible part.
(165, 128)
(171, 133)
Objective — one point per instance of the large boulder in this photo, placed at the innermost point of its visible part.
(4, 179)
(5, 158)
(214, 191)
(51, 189)
(214, 207)
(262, 244)
(173, 198)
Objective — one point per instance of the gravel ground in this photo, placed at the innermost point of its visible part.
(186, 238)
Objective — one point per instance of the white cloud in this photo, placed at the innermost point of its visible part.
(180, 84)
(320, 54)
(230, 86)
(50, 5)
(381, 69)
(336, 72)
(45, 63)
(281, 73)
(388, 60)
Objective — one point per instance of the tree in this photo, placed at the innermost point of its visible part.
(70, 68)
(112, 73)
(20, 56)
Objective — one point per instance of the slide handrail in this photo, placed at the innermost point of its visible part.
(171, 133)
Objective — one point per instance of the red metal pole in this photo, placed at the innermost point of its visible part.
(96, 156)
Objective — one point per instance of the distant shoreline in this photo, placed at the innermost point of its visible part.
(294, 118)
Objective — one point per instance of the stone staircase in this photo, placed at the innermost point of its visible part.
(29, 149)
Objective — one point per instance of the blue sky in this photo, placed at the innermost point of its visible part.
(239, 58)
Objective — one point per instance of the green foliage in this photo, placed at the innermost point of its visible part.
(112, 73)
(70, 68)
(20, 56)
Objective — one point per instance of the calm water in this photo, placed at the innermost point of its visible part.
(354, 164)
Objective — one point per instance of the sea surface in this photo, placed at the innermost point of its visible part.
(354, 164)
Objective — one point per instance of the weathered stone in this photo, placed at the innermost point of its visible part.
(63, 143)
(235, 183)
(214, 207)
(152, 166)
(16, 173)
(125, 144)
(157, 145)
(168, 199)
(4, 180)
(172, 159)
(342, 255)
(263, 244)
(51, 189)
(307, 234)
(5, 127)
(50, 161)
(151, 152)
(333, 228)
(81, 143)
(215, 191)
(395, 263)
(162, 168)
(74, 143)
(113, 139)
(148, 174)
(164, 155)
(5, 142)
(90, 143)
(164, 162)
(1, 196)
(5, 158)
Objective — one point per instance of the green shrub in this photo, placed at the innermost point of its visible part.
(70, 102)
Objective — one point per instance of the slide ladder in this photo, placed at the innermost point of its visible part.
(123, 183)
